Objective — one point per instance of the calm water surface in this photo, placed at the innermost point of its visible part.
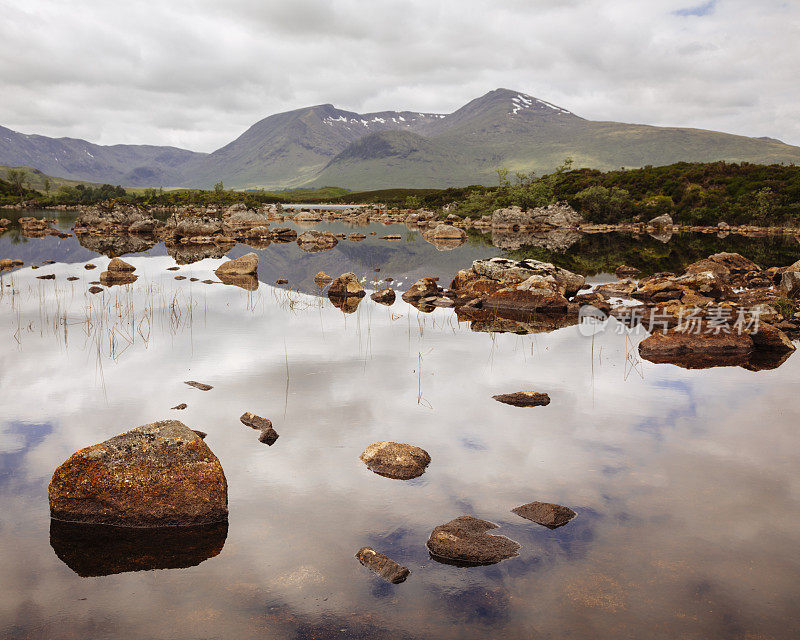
(686, 483)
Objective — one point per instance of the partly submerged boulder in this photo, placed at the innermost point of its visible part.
(384, 296)
(157, 475)
(313, 240)
(322, 279)
(524, 399)
(396, 460)
(346, 286)
(246, 265)
(383, 565)
(546, 514)
(464, 541)
(422, 288)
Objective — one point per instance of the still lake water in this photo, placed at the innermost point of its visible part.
(686, 483)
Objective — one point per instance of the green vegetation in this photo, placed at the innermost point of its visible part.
(692, 193)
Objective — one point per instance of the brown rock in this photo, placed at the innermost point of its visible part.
(384, 296)
(313, 241)
(120, 265)
(199, 385)
(89, 266)
(94, 290)
(524, 399)
(422, 288)
(624, 271)
(346, 286)
(694, 349)
(181, 406)
(246, 282)
(49, 276)
(322, 279)
(464, 541)
(546, 514)
(770, 338)
(157, 475)
(384, 566)
(111, 278)
(268, 434)
(246, 265)
(281, 281)
(396, 460)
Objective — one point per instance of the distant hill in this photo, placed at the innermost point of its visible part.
(323, 145)
(125, 164)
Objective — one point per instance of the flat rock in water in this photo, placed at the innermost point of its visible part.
(268, 435)
(246, 265)
(72, 278)
(49, 276)
(120, 266)
(546, 514)
(464, 541)
(199, 385)
(384, 566)
(396, 460)
(95, 289)
(384, 296)
(157, 475)
(281, 281)
(88, 266)
(110, 278)
(524, 399)
(180, 406)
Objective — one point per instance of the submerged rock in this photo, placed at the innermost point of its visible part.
(464, 541)
(384, 566)
(246, 265)
(384, 296)
(346, 286)
(396, 460)
(157, 475)
(199, 385)
(546, 514)
(524, 399)
(100, 550)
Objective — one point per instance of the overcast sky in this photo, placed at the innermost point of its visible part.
(197, 73)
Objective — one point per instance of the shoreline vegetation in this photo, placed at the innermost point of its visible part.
(691, 194)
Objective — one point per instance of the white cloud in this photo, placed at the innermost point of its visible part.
(196, 73)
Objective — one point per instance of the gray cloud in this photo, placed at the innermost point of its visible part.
(196, 73)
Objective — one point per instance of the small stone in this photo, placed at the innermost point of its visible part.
(281, 281)
(384, 296)
(524, 399)
(209, 282)
(120, 265)
(384, 566)
(255, 422)
(546, 514)
(95, 290)
(181, 406)
(72, 279)
(180, 277)
(199, 385)
(173, 268)
(322, 278)
(345, 286)
(49, 276)
(89, 266)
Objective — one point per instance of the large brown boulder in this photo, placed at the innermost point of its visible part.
(524, 399)
(464, 541)
(157, 475)
(246, 265)
(396, 460)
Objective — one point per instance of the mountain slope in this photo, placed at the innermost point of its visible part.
(323, 145)
(129, 165)
(289, 149)
(518, 132)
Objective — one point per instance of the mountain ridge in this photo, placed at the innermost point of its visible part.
(322, 144)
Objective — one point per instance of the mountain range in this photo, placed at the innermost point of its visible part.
(323, 145)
